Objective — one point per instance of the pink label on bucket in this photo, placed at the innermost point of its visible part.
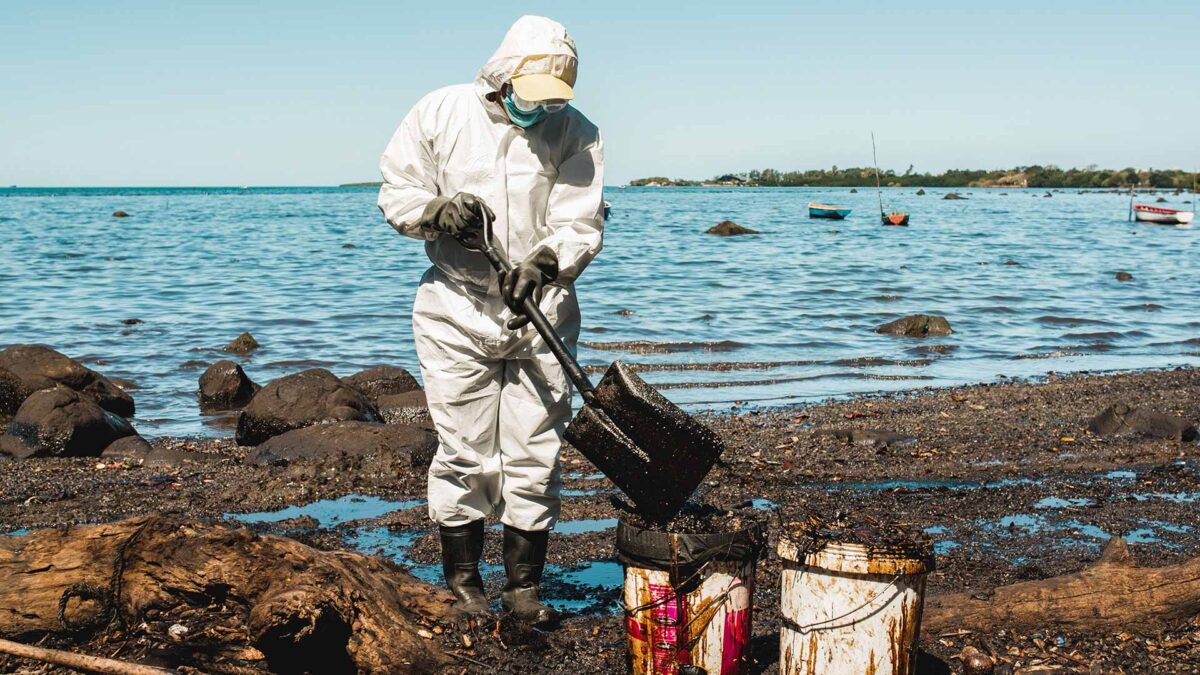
(669, 618)
(735, 641)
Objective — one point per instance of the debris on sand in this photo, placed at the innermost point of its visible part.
(878, 438)
(1122, 417)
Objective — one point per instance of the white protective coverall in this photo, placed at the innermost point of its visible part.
(499, 399)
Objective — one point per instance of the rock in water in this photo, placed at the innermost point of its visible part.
(1124, 276)
(728, 228)
(242, 344)
(917, 325)
(225, 386)
(953, 195)
(383, 381)
(853, 191)
(304, 399)
(39, 367)
(120, 214)
(398, 444)
(921, 192)
(62, 422)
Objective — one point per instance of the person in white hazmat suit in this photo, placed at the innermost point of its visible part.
(508, 148)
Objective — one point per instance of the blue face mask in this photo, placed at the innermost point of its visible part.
(520, 117)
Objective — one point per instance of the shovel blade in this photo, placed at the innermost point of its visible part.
(653, 451)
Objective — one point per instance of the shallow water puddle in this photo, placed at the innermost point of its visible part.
(1061, 503)
(331, 512)
(17, 533)
(586, 587)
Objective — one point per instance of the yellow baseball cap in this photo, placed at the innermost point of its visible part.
(543, 77)
(542, 87)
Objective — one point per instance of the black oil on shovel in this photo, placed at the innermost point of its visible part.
(649, 448)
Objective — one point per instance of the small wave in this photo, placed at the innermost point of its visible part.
(718, 366)
(784, 380)
(1069, 321)
(867, 361)
(650, 347)
(1144, 307)
(1102, 335)
(301, 363)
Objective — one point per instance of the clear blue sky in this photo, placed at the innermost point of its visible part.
(307, 93)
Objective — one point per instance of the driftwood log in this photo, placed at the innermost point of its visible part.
(304, 609)
(1114, 592)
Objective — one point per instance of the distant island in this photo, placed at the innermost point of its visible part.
(1021, 177)
(375, 184)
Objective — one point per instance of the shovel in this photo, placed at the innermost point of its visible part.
(649, 448)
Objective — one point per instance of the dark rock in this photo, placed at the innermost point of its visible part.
(242, 344)
(10, 393)
(1011, 263)
(728, 228)
(131, 322)
(225, 386)
(953, 195)
(624, 312)
(135, 451)
(1121, 418)
(917, 325)
(412, 446)
(853, 191)
(347, 245)
(383, 381)
(120, 214)
(40, 367)
(310, 397)
(1161, 200)
(920, 193)
(707, 317)
(130, 449)
(872, 437)
(62, 422)
(407, 408)
(1124, 276)
(1047, 195)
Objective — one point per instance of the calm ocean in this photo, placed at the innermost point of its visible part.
(320, 280)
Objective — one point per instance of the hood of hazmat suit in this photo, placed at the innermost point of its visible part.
(499, 400)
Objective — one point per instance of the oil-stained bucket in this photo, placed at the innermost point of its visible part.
(851, 606)
(688, 599)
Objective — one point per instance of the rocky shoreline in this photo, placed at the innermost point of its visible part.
(1013, 481)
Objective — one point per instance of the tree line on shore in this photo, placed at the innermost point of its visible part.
(1036, 176)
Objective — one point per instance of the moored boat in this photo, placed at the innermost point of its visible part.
(1157, 214)
(895, 219)
(816, 210)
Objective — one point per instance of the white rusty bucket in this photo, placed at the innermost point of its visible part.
(851, 607)
(688, 599)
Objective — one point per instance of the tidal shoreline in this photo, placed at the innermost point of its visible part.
(1005, 477)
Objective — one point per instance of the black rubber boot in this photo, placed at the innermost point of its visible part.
(524, 560)
(462, 547)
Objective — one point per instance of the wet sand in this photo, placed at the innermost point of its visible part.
(1004, 477)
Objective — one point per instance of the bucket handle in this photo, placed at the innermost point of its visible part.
(819, 625)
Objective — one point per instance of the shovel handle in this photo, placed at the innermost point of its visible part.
(483, 244)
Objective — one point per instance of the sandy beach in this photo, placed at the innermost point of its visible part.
(1005, 478)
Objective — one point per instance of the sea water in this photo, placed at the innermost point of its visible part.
(321, 281)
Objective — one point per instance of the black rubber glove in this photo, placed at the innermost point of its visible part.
(526, 281)
(455, 215)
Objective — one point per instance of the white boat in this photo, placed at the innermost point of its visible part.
(1156, 214)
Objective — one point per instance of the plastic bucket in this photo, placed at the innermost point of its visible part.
(851, 607)
(688, 599)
